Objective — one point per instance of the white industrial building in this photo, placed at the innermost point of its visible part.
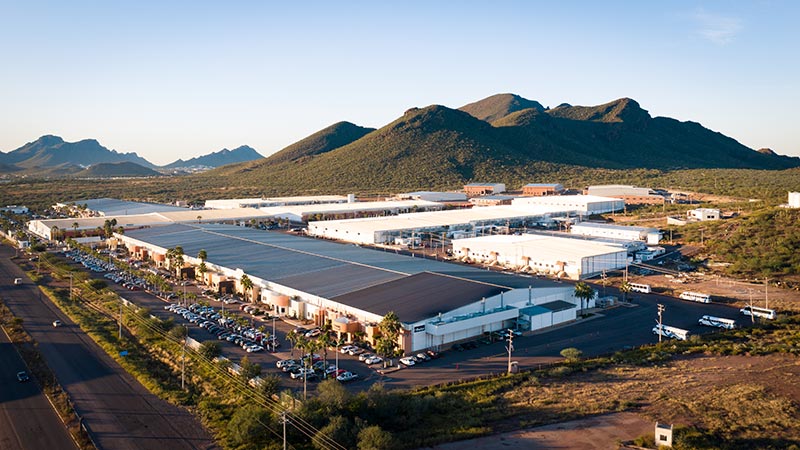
(433, 196)
(583, 204)
(702, 214)
(352, 288)
(302, 213)
(613, 190)
(617, 232)
(384, 230)
(234, 203)
(561, 256)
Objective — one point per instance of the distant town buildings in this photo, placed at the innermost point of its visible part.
(617, 232)
(492, 200)
(15, 209)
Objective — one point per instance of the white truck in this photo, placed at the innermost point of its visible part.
(17, 281)
(720, 322)
(671, 332)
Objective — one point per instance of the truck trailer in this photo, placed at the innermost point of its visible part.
(671, 332)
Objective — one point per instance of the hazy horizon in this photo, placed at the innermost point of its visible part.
(176, 81)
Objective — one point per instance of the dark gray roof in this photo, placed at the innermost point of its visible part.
(324, 268)
(419, 296)
(557, 305)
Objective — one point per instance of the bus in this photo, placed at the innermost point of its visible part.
(671, 332)
(711, 321)
(637, 287)
(758, 312)
(695, 297)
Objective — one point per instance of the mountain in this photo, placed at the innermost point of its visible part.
(223, 157)
(52, 151)
(499, 106)
(121, 169)
(323, 141)
(439, 147)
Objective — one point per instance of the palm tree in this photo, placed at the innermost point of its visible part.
(625, 287)
(292, 338)
(390, 327)
(247, 285)
(75, 228)
(199, 218)
(584, 292)
(325, 341)
(202, 255)
(178, 259)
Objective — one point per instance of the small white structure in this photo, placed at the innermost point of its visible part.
(702, 214)
(559, 256)
(794, 199)
(585, 204)
(663, 435)
(627, 233)
(15, 209)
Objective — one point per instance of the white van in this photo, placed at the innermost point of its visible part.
(17, 281)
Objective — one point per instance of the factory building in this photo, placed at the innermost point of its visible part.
(583, 204)
(106, 207)
(352, 288)
(617, 232)
(540, 189)
(234, 203)
(632, 195)
(560, 256)
(432, 196)
(325, 211)
(477, 189)
(451, 223)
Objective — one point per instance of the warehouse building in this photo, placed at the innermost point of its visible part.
(476, 189)
(352, 288)
(105, 207)
(632, 195)
(433, 196)
(617, 232)
(544, 254)
(327, 211)
(540, 189)
(384, 230)
(235, 203)
(583, 204)
(794, 200)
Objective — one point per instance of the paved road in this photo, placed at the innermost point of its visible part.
(27, 420)
(118, 411)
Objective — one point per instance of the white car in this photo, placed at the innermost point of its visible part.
(347, 348)
(408, 360)
(347, 376)
(365, 356)
(355, 351)
(56, 323)
(373, 360)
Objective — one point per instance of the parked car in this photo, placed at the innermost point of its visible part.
(347, 376)
(373, 360)
(365, 356)
(422, 357)
(408, 360)
(346, 348)
(23, 377)
(56, 323)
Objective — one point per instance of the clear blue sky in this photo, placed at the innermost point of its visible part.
(173, 80)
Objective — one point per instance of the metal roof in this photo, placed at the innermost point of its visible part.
(319, 267)
(114, 207)
(419, 296)
(558, 305)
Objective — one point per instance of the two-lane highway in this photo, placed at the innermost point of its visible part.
(116, 409)
(27, 420)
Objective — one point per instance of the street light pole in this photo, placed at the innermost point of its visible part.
(510, 348)
(183, 356)
(119, 336)
(661, 309)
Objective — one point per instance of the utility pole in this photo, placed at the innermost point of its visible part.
(661, 309)
(283, 419)
(119, 336)
(605, 278)
(766, 293)
(275, 336)
(70, 286)
(183, 356)
(750, 305)
(510, 348)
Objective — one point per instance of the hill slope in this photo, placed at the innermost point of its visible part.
(499, 106)
(52, 151)
(438, 147)
(122, 169)
(223, 157)
(323, 141)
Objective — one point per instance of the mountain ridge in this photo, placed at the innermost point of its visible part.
(243, 153)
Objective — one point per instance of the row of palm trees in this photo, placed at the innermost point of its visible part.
(585, 292)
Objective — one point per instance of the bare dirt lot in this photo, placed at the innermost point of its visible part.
(726, 394)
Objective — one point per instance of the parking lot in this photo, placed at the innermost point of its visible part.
(243, 333)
